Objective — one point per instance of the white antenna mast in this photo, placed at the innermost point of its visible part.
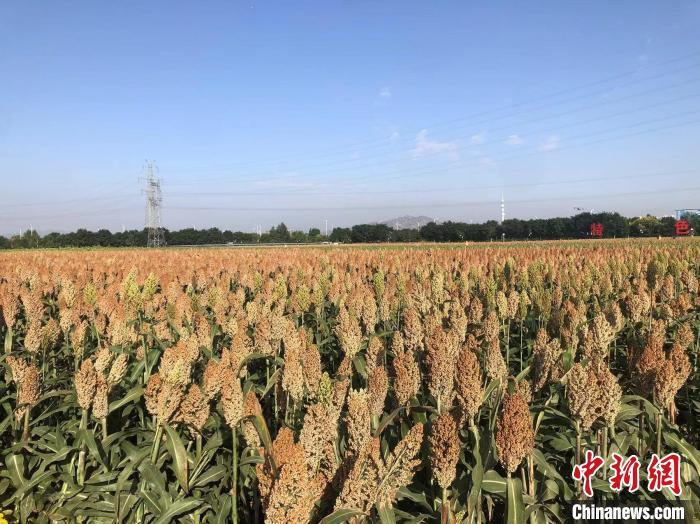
(503, 209)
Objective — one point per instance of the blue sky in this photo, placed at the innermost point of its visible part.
(355, 111)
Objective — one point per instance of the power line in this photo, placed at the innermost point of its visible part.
(522, 104)
(353, 164)
(428, 171)
(403, 174)
(508, 107)
(442, 189)
(433, 204)
(420, 172)
(70, 214)
(420, 204)
(71, 201)
(350, 164)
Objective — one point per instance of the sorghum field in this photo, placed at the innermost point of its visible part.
(293, 385)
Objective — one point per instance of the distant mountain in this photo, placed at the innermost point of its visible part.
(407, 222)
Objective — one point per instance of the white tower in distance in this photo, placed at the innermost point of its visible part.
(503, 209)
(154, 200)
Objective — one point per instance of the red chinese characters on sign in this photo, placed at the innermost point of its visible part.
(625, 473)
(597, 230)
(682, 227)
(661, 473)
(584, 472)
(665, 473)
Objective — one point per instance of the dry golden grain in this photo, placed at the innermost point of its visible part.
(85, 384)
(515, 438)
(100, 404)
(193, 411)
(444, 449)
(546, 355)
(357, 420)
(469, 380)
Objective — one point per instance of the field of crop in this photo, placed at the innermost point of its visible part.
(293, 385)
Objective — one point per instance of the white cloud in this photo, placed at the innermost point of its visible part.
(385, 92)
(514, 140)
(477, 139)
(550, 144)
(486, 160)
(426, 146)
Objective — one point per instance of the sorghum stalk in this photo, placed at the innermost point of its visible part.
(531, 474)
(25, 430)
(234, 487)
(274, 370)
(154, 456)
(8, 340)
(445, 509)
(508, 344)
(659, 429)
(289, 401)
(604, 438)
(477, 451)
(521, 344)
(146, 370)
(267, 371)
(156, 443)
(97, 334)
(81, 455)
(497, 405)
(641, 428)
(579, 486)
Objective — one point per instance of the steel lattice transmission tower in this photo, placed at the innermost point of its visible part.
(154, 200)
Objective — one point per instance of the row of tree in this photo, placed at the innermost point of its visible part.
(578, 226)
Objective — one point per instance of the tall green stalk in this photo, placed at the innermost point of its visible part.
(146, 370)
(578, 444)
(25, 429)
(234, 475)
(641, 429)
(156, 443)
(81, 455)
(604, 449)
(445, 509)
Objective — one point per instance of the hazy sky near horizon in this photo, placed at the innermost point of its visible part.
(346, 111)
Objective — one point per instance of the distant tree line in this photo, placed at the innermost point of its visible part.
(575, 227)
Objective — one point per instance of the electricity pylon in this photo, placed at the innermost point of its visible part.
(154, 200)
